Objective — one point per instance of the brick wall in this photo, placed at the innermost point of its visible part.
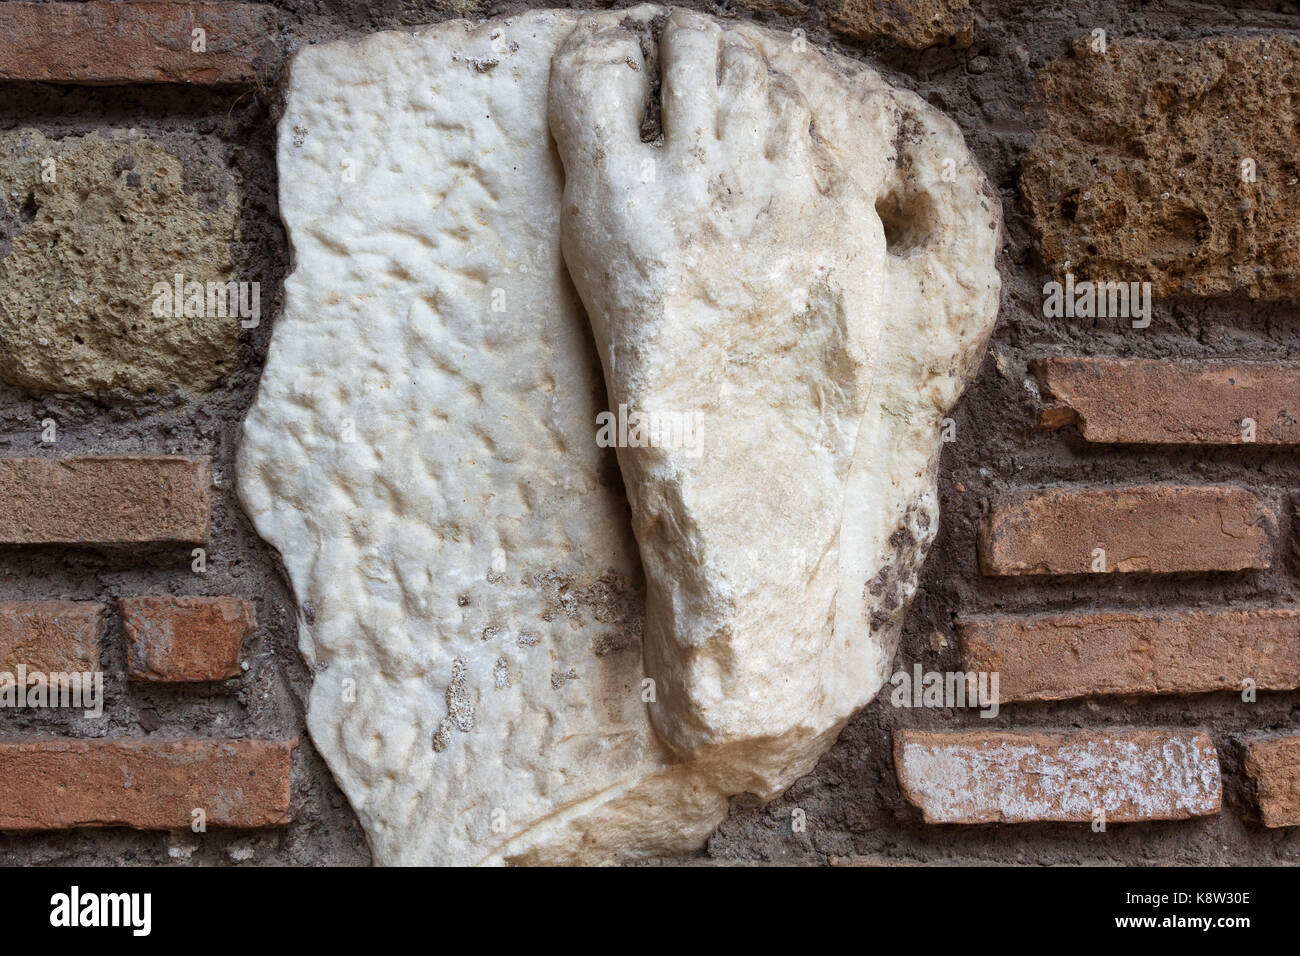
(128, 157)
(1117, 541)
(1118, 511)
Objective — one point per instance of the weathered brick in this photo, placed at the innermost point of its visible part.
(133, 499)
(138, 42)
(50, 636)
(1145, 401)
(185, 638)
(912, 23)
(1138, 171)
(1026, 776)
(1059, 656)
(1159, 529)
(146, 784)
(1275, 766)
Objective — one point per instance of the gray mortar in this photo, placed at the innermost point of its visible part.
(851, 799)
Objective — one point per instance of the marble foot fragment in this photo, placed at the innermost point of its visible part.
(736, 276)
(422, 448)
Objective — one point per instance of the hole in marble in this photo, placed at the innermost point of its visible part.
(909, 220)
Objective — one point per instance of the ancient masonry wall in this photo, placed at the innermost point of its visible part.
(1117, 539)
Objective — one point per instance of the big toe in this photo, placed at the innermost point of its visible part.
(597, 98)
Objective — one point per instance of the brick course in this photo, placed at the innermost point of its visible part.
(1027, 776)
(1154, 401)
(1158, 529)
(1059, 656)
(137, 42)
(104, 501)
(50, 636)
(1275, 766)
(185, 638)
(145, 784)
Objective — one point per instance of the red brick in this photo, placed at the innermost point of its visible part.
(1275, 766)
(1160, 529)
(126, 500)
(1059, 656)
(1141, 401)
(102, 43)
(146, 784)
(50, 636)
(1026, 776)
(185, 638)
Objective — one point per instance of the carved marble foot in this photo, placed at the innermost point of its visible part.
(736, 272)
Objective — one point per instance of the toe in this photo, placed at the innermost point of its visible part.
(742, 96)
(788, 134)
(597, 99)
(689, 54)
